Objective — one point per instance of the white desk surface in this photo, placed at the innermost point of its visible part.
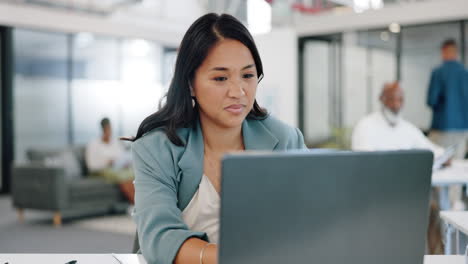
(456, 173)
(138, 259)
(444, 259)
(457, 219)
(64, 258)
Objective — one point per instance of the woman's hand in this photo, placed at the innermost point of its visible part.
(191, 249)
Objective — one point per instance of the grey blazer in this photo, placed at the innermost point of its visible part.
(167, 177)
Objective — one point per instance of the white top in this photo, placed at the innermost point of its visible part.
(202, 213)
(374, 132)
(98, 154)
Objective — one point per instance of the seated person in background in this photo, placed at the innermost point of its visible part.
(107, 158)
(387, 130)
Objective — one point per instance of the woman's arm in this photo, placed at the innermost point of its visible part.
(299, 140)
(161, 229)
(191, 251)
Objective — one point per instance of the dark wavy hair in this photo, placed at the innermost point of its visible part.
(178, 110)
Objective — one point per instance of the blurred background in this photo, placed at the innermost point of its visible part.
(66, 64)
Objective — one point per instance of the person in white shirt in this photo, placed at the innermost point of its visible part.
(106, 158)
(387, 130)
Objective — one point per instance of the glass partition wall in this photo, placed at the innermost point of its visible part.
(319, 83)
(64, 84)
(40, 96)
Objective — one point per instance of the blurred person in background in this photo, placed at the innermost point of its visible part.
(387, 130)
(107, 158)
(448, 98)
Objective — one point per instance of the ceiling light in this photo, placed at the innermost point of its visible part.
(394, 28)
(83, 40)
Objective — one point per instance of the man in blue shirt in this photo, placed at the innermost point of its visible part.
(448, 99)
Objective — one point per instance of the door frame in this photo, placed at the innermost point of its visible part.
(6, 88)
(336, 92)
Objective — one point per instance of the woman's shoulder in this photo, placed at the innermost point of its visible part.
(278, 127)
(156, 141)
(284, 132)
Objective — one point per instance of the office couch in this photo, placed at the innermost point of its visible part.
(58, 181)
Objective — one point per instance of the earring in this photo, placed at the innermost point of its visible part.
(191, 89)
(191, 94)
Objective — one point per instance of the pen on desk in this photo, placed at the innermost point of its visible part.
(115, 257)
(71, 262)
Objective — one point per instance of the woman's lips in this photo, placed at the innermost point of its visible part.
(235, 108)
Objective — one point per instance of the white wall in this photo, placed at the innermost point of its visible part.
(317, 91)
(415, 82)
(383, 70)
(354, 80)
(278, 90)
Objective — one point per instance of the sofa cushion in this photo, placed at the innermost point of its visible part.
(65, 159)
(80, 152)
(38, 156)
(92, 189)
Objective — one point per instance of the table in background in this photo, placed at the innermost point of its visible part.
(455, 174)
(457, 222)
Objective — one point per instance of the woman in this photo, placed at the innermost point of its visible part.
(210, 110)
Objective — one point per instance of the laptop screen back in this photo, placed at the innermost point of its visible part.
(328, 208)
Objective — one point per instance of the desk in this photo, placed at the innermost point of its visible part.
(441, 259)
(64, 258)
(138, 259)
(457, 221)
(457, 173)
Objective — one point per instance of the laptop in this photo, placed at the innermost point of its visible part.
(326, 208)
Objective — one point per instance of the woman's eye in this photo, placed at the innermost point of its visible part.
(220, 79)
(248, 75)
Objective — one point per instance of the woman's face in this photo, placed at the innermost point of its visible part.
(225, 84)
